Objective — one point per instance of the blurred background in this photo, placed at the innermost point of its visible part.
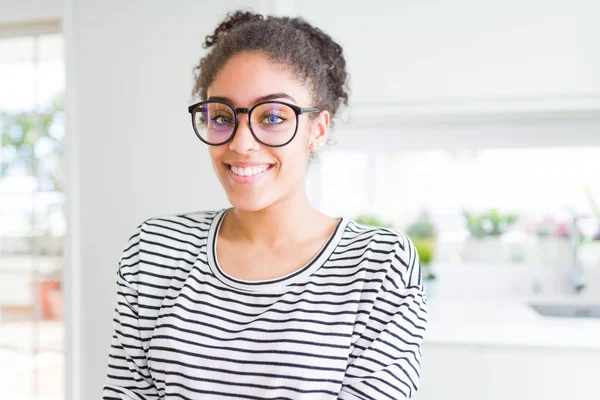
(474, 127)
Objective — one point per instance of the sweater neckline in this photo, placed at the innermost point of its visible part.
(269, 284)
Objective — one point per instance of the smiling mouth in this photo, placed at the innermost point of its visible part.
(249, 171)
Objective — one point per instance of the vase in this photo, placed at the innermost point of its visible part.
(552, 251)
(589, 254)
(484, 250)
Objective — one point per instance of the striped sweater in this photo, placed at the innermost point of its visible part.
(348, 325)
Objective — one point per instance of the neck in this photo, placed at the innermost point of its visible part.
(289, 219)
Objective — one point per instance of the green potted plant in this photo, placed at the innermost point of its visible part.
(489, 223)
(485, 229)
(423, 235)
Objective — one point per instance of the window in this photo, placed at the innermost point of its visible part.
(489, 205)
(32, 216)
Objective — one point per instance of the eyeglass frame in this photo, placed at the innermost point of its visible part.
(244, 110)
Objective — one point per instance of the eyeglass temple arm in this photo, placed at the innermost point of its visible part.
(308, 110)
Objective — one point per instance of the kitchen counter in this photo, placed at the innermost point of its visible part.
(499, 322)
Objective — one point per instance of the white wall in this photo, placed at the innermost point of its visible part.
(132, 151)
(28, 11)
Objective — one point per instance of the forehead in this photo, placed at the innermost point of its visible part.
(246, 77)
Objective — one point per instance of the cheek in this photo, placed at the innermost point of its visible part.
(293, 157)
(216, 154)
(302, 141)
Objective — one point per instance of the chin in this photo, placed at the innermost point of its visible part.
(249, 203)
(249, 196)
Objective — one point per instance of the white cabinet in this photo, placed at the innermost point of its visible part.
(463, 372)
(465, 73)
(451, 372)
(526, 373)
(425, 53)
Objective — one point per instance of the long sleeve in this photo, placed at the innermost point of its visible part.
(386, 357)
(128, 376)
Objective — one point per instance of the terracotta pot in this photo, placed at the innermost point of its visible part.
(50, 299)
(55, 303)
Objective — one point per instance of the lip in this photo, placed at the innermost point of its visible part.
(247, 179)
(243, 164)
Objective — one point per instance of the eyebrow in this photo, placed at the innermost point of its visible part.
(268, 97)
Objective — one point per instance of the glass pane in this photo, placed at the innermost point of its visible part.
(16, 373)
(517, 202)
(16, 50)
(16, 74)
(26, 374)
(32, 217)
(50, 362)
(342, 171)
(51, 48)
(51, 71)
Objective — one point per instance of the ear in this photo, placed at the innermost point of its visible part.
(319, 134)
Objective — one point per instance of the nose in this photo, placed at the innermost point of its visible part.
(243, 141)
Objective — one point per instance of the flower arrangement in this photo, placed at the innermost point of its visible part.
(488, 223)
(550, 227)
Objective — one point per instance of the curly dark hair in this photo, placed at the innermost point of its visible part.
(312, 55)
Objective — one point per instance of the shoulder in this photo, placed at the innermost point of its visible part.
(194, 223)
(388, 247)
(380, 238)
(190, 220)
(180, 227)
(166, 240)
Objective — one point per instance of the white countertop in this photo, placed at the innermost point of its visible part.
(510, 322)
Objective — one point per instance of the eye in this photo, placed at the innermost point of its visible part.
(222, 120)
(273, 119)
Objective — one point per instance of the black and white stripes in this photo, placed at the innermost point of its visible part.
(348, 325)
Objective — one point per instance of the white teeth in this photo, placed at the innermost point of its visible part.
(249, 171)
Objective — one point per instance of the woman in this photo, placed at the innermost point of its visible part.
(269, 298)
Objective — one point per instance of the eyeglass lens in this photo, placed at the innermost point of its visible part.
(272, 123)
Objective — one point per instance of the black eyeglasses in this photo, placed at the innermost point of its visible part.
(272, 123)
